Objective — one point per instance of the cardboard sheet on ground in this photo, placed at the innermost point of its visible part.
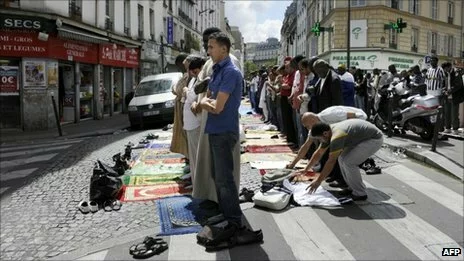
(268, 164)
(248, 157)
(141, 193)
(268, 149)
(321, 197)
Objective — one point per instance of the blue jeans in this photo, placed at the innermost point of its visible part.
(222, 168)
(252, 99)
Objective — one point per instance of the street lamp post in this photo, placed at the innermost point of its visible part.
(348, 31)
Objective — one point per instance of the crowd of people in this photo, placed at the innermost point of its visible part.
(306, 99)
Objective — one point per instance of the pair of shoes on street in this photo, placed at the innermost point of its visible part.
(111, 205)
(148, 248)
(86, 207)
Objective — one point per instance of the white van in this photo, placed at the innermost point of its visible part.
(153, 100)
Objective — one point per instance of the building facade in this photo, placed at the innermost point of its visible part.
(301, 27)
(288, 33)
(432, 27)
(88, 54)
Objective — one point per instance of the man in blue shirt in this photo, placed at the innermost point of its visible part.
(222, 103)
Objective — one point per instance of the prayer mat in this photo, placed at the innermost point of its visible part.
(166, 161)
(144, 169)
(247, 157)
(180, 215)
(151, 180)
(151, 192)
(153, 154)
(160, 146)
(264, 142)
(268, 149)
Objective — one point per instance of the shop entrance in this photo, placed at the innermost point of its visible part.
(66, 94)
(86, 91)
(117, 89)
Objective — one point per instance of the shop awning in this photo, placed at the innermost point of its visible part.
(70, 33)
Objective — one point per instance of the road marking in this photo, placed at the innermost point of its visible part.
(443, 195)
(317, 242)
(409, 229)
(17, 174)
(23, 161)
(33, 146)
(33, 151)
(96, 256)
(185, 247)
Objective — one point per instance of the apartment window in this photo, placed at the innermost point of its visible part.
(434, 5)
(451, 45)
(393, 39)
(450, 12)
(75, 9)
(170, 5)
(152, 24)
(433, 40)
(330, 5)
(395, 4)
(127, 17)
(11, 3)
(414, 39)
(414, 6)
(355, 3)
(140, 22)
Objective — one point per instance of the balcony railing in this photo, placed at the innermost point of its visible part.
(126, 30)
(450, 20)
(414, 48)
(141, 34)
(185, 17)
(393, 45)
(75, 11)
(108, 24)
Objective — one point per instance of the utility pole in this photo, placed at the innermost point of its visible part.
(348, 34)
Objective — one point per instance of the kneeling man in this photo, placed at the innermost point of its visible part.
(351, 142)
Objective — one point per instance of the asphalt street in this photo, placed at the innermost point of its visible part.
(413, 212)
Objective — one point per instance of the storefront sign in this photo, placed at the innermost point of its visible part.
(25, 23)
(376, 59)
(22, 44)
(68, 100)
(9, 80)
(358, 35)
(118, 56)
(73, 51)
(170, 24)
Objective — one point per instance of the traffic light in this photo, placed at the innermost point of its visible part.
(316, 29)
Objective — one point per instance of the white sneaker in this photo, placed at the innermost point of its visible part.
(93, 206)
(447, 131)
(84, 207)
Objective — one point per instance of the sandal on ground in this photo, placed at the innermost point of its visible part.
(116, 205)
(148, 248)
(108, 206)
(93, 206)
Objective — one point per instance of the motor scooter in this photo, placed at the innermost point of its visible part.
(417, 113)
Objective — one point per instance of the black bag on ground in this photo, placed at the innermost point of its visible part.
(103, 184)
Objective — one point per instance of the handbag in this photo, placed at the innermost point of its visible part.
(103, 185)
(276, 198)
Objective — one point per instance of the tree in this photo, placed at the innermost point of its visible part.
(249, 68)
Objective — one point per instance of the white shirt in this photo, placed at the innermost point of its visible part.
(296, 82)
(323, 81)
(191, 121)
(348, 77)
(336, 114)
(254, 84)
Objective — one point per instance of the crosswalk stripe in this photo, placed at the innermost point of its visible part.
(410, 230)
(33, 151)
(22, 161)
(185, 247)
(17, 174)
(429, 188)
(96, 256)
(317, 242)
(33, 146)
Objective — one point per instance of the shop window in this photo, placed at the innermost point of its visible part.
(10, 108)
(117, 90)
(11, 3)
(86, 91)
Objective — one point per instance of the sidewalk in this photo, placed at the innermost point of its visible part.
(448, 156)
(85, 128)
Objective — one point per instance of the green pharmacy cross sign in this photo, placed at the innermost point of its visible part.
(397, 26)
(317, 29)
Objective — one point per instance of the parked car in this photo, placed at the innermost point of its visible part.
(153, 100)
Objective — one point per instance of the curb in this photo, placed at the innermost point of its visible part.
(433, 159)
(84, 251)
